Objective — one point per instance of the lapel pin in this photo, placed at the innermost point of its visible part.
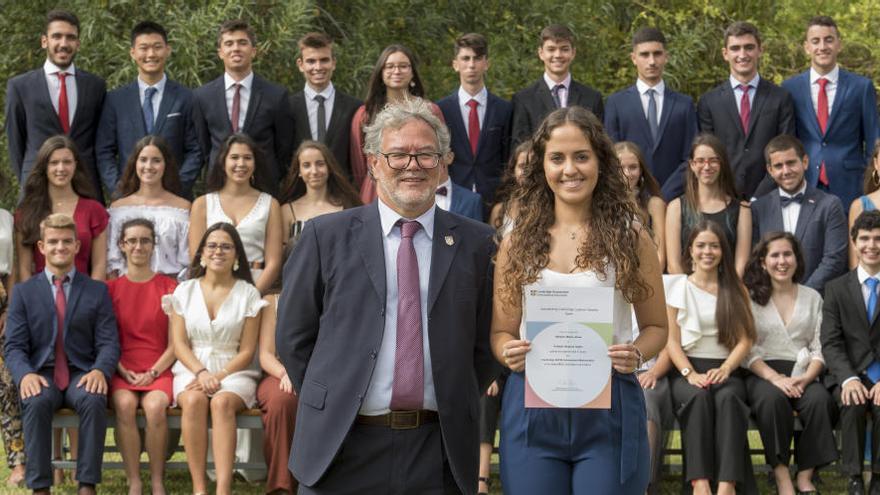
(449, 240)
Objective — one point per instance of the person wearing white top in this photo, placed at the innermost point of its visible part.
(785, 363)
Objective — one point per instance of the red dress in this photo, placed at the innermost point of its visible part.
(143, 328)
(91, 219)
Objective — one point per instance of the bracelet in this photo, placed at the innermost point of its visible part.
(200, 372)
(641, 357)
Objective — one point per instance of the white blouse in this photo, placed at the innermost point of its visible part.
(171, 252)
(696, 318)
(798, 341)
(6, 245)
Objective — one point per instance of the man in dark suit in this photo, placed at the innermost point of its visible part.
(383, 327)
(836, 114)
(57, 98)
(320, 111)
(153, 104)
(556, 89)
(746, 124)
(852, 351)
(479, 122)
(660, 121)
(62, 348)
(452, 197)
(241, 101)
(815, 218)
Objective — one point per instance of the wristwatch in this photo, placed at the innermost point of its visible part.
(153, 373)
(685, 372)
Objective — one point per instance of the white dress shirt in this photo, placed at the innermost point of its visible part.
(329, 94)
(157, 97)
(563, 93)
(738, 93)
(464, 97)
(444, 202)
(244, 96)
(378, 398)
(830, 87)
(792, 211)
(866, 293)
(54, 83)
(659, 91)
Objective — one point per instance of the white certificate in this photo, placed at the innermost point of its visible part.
(570, 329)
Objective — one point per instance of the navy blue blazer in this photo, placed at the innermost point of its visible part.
(31, 119)
(269, 122)
(625, 121)
(91, 340)
(122, 125)
(821, 231)
(493, 148)
(338, 137)
(331, 324)
(466, 203)
(848, 142)
(533, 104)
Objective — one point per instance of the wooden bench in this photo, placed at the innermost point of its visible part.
(249, 419)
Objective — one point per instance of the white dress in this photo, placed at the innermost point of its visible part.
(171, 252)
(215, 342)
(251, 228)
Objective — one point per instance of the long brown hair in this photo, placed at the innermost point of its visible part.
(756, 278)
(871, 181)
(725, 175)
(341, 192)
(648, 186)
(243, 272)
(377, 94)
(733, 313)
(35, 203)
(217, 175)
(613, 240)
(130, 182)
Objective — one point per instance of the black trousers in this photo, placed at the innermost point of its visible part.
(773, 412)
(852, 434)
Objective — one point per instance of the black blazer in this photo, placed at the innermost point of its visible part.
(338, 129)
(849, 342)
(331, 323)
(483, 170)
(532, 104)
(268, 121)
(772, 114)
(31, 119)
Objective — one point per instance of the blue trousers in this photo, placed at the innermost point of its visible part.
(575, 451)
(36, 414)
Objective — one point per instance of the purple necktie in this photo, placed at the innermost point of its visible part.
(407, 393)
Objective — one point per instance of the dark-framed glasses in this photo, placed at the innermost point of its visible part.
(401, 161)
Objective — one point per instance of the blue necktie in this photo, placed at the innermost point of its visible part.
(653, 124)
(873, 370)
(148, 109)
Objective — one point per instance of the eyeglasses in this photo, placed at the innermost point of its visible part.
(213, 246)
(400, 67)
(134, 241)
(711, 161)
(401, 161)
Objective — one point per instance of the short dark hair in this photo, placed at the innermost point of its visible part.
(784, 142)
(823, 20)
(148, 27)
(315, 40)
(233, 25)
(61, 15)
(475, 41)
(647, 35)
(867, 220)
(742, 28)
(557, 32)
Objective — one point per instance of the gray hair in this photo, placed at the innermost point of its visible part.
(395, 115)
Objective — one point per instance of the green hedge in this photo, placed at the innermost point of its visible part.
(363, 27)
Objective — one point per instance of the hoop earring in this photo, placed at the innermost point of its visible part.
(235, 266)
(412, 84)
(875, 177)
(203, 263)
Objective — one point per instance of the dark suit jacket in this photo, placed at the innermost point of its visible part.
(31, 119)
(338, 129)
(466, 203)
(772, 114)
(331, 324)
(268, 121)
(625, 121)
(493, 147)
(848, 141)
(532, 104)
(91, 340)
(122, 125)
(821, 230)
(849, 342)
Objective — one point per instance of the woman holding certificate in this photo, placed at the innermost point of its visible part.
(710, 333)
(579, 234)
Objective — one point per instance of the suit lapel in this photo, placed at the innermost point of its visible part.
(335, 116)
(634, 106)
(169, 96)
(82, 98)
(729, 98)
(40, 82)
(458, 129)
(487, 118)
(73, 300)
(365, 229)
(669, 102)
(443, 252)
(546, 99)
(775, 221)
(760, 97)
(855, 295)
(133, 98)
(253, 103)
(808, 207)
(840, 95)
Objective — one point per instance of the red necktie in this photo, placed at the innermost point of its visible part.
(473, 125)
(62, 373)
(408, 388)
(236, 107)
(822, 116)
(745, 108)
(63, 111)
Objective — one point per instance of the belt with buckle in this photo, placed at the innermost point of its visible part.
(400, 420)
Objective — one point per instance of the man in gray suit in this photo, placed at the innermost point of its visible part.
(383, 327)
(814, 217)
